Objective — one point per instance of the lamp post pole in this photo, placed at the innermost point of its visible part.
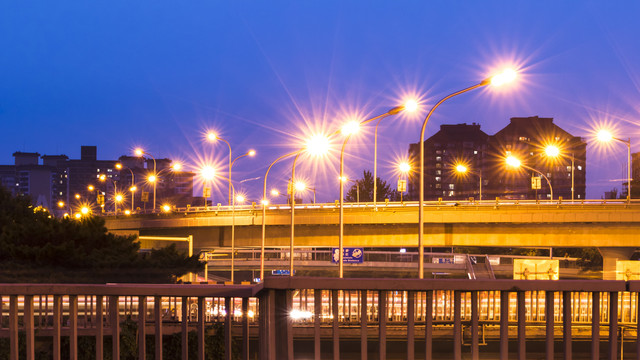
(233, 213)
(293, 206)
(421, 189)
(264, 211)
(393, 111)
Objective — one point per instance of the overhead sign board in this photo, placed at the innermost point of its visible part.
(402, 185)
(536, 184)
(350, 255)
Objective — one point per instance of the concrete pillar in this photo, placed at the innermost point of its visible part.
(609, 257)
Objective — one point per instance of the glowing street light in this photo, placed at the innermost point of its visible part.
(606, 136)
(554, 152)
(317, 145)
(133, 187)
(60, 204)
(497, 80)
(348, 130)
(516, 163)
(462, 169)
(404, 168)
(409, 106)
(84, 210)
(139, 152)
(166, 208)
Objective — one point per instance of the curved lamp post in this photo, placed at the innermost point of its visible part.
(348, 130)
(554, 152)
(461, 169)
(211, 136)
(132, 189)
(605, 136)
(140, 152)
(506, 76)
(409, 106)
(515, 163)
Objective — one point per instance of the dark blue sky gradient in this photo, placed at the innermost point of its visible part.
(157, 74)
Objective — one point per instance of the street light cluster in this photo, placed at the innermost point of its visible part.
(318, 146)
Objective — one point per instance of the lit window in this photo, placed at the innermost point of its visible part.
(531, 153)
(475, 152)
(557, 138)
(438, 158)
(523, 138)
(438, 178)
(438, 186)
(438, 152)
(452, 193)
(568, 168)
(438, 165)
(548, 175)
(452, 186)
(97, 170)
(579, 167)
(579, 196)
(438, 172)
(508, 153)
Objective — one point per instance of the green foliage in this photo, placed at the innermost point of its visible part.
(37, 247)
(383, 190)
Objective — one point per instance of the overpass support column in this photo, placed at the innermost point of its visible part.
(609, 257)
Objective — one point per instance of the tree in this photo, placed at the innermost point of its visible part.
(365, 185)
(37, 247)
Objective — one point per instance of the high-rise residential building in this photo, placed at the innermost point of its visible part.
(453, 145)
(484, 156)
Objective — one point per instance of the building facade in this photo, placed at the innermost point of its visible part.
(526, 139)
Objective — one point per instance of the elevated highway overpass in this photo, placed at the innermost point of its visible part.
(611, 226)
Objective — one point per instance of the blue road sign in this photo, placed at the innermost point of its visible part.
(349, 255)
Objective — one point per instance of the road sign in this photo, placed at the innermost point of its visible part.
(402, 185)
(100, 199)
(282, 272)
(144, 196)
(536, 183)
(349, 255)
(206, 192)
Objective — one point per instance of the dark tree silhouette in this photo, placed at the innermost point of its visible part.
(365, 184)
(37, 247)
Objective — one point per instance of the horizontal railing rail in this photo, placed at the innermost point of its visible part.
(280, 312)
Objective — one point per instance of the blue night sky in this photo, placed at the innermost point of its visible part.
(266, 74)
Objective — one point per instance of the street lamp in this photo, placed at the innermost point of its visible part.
(461, 169)
(554, 152)
(409, 106)
(211, 136)
(606, 136)
(497, 80)
(405, 169)
(515, 163)
(133, 188)
(103, 178)
(316, 145)
(356, 182)
(347, 130)
(155, 177)
(139, 152)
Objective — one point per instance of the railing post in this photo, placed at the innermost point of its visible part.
(284, 336)
(613, 325)
(522, 322)
(27, 320)
(457, 326)
(201, 321)
(99, 327)
(157, 317)
(504, 325)
(142, 323)
(595, 326)
(382, 321)
(245, 328)
(114, 320)
(73, 327)
(475, 346)
(566, 324)
(267, 325)
(228, 308)
(428, 325)
(317, 312)
(549, 306)
(411, 318)
(336, 324)
(185, 327)
(57, 326)
(364, 338)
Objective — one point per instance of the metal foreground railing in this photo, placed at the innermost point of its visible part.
(282, 312)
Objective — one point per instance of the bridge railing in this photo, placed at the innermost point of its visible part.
(382, 205)
(287, 310)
